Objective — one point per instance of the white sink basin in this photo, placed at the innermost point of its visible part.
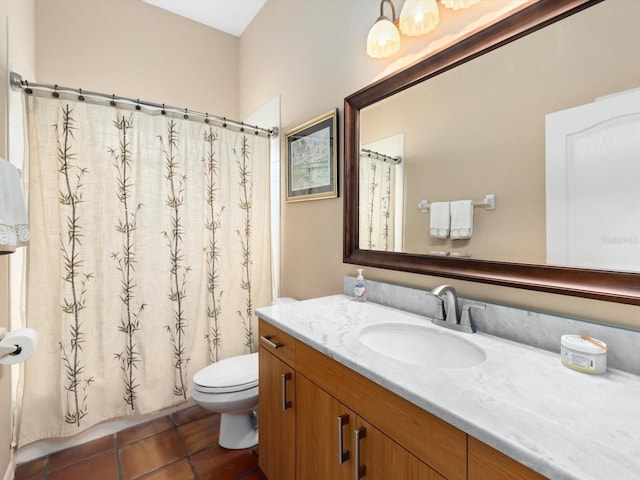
(420, 345)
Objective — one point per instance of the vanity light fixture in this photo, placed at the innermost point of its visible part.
(416, 18)
(384, 38)
(419, 17)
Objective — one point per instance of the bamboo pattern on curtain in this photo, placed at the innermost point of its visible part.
(150, 250)
(376, 204)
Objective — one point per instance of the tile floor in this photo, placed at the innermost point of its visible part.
(179, 446)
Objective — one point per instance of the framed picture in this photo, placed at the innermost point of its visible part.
(312, 159)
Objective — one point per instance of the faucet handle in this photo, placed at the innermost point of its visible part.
(465, 321)
(439, 315)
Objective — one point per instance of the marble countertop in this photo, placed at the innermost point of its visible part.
(521, 400)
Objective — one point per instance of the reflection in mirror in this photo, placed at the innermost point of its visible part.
(462, 158)
(592, 174)
(480, 127)
(382, 194)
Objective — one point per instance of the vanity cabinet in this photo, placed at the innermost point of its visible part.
(315, 437)
(278, 403)
(327, 445)
(436, 443)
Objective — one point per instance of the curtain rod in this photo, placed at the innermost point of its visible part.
(17, 84)
(365, 152)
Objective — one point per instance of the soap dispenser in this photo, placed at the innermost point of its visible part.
(360, 291)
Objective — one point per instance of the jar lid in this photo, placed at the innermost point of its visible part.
(584, 344)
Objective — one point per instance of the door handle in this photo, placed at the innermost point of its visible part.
(285, 403)
(360, 470)
(343, 455)
(267, 339)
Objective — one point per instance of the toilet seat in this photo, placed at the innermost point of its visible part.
(233, 374)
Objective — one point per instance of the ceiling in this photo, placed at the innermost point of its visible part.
(230, 16)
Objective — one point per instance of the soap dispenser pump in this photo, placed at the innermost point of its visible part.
(360, 291)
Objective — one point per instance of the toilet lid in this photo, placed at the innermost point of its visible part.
(232, 374)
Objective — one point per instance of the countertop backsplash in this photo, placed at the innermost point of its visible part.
(540, 330)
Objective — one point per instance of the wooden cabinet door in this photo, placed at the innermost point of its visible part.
(380, 458)
(277, 447)
(324, 434)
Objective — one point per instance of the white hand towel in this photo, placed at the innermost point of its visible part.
(440, 216)
(461, 219)
(14, 228)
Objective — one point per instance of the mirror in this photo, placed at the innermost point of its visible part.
(440, 143)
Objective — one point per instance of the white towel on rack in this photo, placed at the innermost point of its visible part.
(14, 225)
(440, 219)
(461, 219)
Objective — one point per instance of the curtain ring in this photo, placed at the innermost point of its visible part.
(206, 118)
(163, 111)
(186, 114)
(138, 104)
(80, 96)
(257, 132)
(113, 100)
(55, 93)
(28, 90)
(242, 127)
(224, 122)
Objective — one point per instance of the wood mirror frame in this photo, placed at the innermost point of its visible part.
(610, 286)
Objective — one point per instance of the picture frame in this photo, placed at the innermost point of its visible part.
(312, 159)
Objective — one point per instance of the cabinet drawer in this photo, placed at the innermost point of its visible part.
(274, 340)
(433, 441)
(486, 463)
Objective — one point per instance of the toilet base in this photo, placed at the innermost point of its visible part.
(238, 430)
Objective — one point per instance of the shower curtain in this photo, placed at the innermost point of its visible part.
(150, 250)
(377, 195)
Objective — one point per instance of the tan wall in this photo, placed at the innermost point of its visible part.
(21, 55)
(313, 54)
(133, 49)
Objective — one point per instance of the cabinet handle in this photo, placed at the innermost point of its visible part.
(285, 403)
(342, 455)
(267, 339)
(360, 470)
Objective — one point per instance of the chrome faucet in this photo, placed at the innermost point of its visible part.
(447, 315)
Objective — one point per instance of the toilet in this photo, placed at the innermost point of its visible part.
(230, 387)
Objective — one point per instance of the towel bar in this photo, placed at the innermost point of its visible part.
(489, 203)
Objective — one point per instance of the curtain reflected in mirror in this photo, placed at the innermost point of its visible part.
(382, 193)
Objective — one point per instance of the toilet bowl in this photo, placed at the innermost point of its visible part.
(230, 387)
